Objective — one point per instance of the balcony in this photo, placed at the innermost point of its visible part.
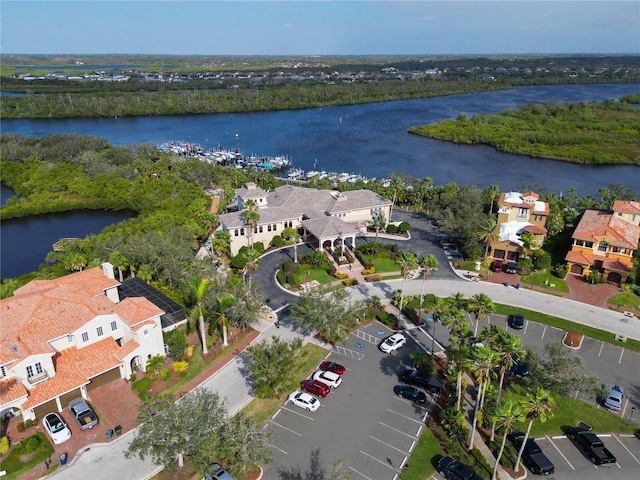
(38, 377)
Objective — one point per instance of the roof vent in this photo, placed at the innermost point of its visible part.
(14, 347)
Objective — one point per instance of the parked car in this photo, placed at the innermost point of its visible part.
(516, 321)
(511, 267)
(332, 367)
(410, 393)
(315, 387)
(56, 428)
(591, 446)
(392, 343)
(614, 398)
(216, 472)
(532, 455)
(330, 379)
(422, 379)
(455, 470)
(518, 368)
(83, 413)
(497, 265)
(304, 400)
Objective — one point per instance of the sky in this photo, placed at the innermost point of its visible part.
(326, 27)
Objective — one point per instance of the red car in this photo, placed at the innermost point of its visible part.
(315, 387)
(332, 367)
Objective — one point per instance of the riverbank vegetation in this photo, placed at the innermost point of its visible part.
(590, 133)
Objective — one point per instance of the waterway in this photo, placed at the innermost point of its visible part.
(25, 242)
(372, 139)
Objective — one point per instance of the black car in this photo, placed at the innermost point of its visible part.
(511, 267)
(421, 379)
(516, 321)
(518, 369)
(532, 455)
(454, 470)
(410, 393)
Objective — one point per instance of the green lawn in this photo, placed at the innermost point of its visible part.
(383, 265)
(569, 412)
(566, 325)
(545, 279)
(424, 457)
(628, 299)
(28, 453)
(321, 276)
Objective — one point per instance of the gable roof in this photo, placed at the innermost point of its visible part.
(597, 225)
(517, 199)
(626, 206)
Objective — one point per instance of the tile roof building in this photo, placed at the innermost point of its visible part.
(519, 213)
(605, 241)
(61, 338)
(326, 215)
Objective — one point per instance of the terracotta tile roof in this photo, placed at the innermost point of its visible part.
(91, 360)
(596, 225)
(51, 388)
(626, 206)
(126, 349)
(91, 282)
(61, 310)
(587, 258)
(135, 310)
(11, 390)
(535, 229)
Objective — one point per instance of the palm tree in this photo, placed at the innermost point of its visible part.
(482, 306)
(121, 262)
(489, 232)
(291, 237)
(439, 309)
(407, 262)
(251, 215)
(537, 405)
(221, 241)
(506, 417)
(253, 262)
(378, 222)
(396, 185)
(145, 272)
(224, 302)
(427, 263)
(198, 287)
(493, 191)
(483, 360)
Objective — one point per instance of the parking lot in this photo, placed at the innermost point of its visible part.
(361, 426)
(571, 464)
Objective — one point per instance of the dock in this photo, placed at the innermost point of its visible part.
(60, 245)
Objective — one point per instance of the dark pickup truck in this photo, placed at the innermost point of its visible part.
(591, 446)
(421, 379)
(532, 455)
(83, 413)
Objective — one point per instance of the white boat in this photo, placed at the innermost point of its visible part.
(312, 173)
(296, 174)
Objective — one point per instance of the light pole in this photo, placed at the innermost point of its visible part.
(633, 409)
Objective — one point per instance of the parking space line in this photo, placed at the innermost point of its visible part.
(284, 428)
(526, 325)
(600, 351)
(409, 401)
(418, 343)
(377, 460)
(298, 413)
(418, 432)
(625, 447)
(359, 473)
(561, 454)
(388, 445)
(544, 330)
(404, 416)
(396, 430)
(621, 353)
(279, 449)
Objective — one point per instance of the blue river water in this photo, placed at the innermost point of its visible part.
(372, 139)
(369, 139)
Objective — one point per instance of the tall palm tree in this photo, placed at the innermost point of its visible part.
(291, 237)
(483, 360)
(396, 185)
(407, 262)
(199, 287)
(427, 263)
(253, 262)
(489, 232)
(378, 222)
(482, 307)
(493, 191)
(251, 215)
(537, 405)
(506, 417)
(224, 302)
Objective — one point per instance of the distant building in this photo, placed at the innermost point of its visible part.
(519, 213)
(606, 241)
(327, 217)
(61, 338)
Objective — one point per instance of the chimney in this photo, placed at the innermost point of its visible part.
(107, 269)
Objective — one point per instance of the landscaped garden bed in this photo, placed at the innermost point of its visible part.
(572, 339)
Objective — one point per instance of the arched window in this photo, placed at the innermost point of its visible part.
(602, 246)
